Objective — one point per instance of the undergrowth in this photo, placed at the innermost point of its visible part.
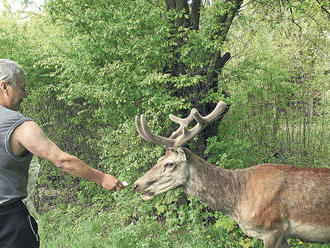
(129, 225)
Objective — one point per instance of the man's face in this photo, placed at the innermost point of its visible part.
(15, 94)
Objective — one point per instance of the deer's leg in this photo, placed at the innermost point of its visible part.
(285, 243)
(275, 239)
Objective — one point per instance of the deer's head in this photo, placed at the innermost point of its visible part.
(171, 170)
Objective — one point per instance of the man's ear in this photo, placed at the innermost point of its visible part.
(3, 86)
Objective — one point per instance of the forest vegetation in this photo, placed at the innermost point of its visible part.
(92, 66)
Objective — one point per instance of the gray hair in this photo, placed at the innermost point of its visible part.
(9, 71)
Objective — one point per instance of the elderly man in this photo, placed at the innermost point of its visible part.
(20, 138)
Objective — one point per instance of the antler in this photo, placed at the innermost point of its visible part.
(182, 135)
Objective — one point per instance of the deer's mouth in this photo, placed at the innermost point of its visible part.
(148, 196)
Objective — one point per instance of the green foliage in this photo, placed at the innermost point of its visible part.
(97, 228)
(226, 223)
(229, 153)
(280, 88)
(93, 65)
(94, 227)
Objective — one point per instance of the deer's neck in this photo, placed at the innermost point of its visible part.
(220, 189)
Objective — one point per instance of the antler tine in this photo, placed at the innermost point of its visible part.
(202, 122)
(140, 129)
(144, 131)
(182, 135)
(184, 122)
(216, 113)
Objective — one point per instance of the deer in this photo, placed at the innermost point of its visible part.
(271, 202)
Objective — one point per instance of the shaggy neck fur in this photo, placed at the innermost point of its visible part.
(216, 187)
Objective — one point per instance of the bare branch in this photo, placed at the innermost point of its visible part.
(324, 9)
(293, 20)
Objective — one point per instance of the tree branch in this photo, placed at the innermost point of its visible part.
(293, 20)
(179, 5)
(324, 9)
(225, 21)
(195, 14)
(243, 6)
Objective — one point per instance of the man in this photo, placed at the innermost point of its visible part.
(20, 139)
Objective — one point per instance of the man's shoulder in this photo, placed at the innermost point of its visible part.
(11, 115)
(9, 112)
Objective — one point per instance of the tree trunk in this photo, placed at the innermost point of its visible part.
(191, 19)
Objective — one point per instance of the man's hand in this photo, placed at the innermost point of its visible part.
(111, 183)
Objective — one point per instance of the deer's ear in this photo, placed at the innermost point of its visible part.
(182, 154)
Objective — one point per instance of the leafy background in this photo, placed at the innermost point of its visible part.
(93, 65)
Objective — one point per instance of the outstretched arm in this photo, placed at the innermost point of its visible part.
(31, 137)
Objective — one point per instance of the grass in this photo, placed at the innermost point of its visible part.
(75, 227)
(102, 230)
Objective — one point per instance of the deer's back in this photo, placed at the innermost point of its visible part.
(296, 200)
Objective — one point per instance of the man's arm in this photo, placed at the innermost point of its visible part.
(30, 136)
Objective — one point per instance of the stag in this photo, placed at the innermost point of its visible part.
(270, 202)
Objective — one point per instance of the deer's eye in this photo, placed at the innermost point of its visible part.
(169, 165)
